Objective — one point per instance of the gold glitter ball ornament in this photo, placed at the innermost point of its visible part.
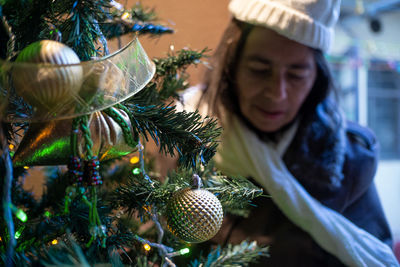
(51, 77)
(194, 215)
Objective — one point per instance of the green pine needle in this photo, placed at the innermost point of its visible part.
(142, 13)
(80, 29)
(182, 59)
(233, 256)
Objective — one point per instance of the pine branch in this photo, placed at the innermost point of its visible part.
(170, 77)
(233, 256)
(235, 194)
(141, 13)
(138, 194)
(170, 71)
(173, 63)
(139, 19)
(171, 85)
(77, 20)
(21, 15)
(17, 107)
(149, 28)
(118, 27)
(146, 97)
(80, 30)
(65, 255)
(187, 133)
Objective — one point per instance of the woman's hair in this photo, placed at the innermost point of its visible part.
(219, 81)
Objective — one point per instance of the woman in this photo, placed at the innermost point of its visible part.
(272, 91)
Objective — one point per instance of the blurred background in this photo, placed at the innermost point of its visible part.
(366, 63)
(365, 59)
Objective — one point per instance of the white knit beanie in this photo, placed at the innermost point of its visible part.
(309, 22)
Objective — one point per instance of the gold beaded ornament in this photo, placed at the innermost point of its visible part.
(194, 215)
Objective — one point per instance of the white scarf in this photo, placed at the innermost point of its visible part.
(242, 153)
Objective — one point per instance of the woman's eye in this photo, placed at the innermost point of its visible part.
(297, 76)
(256, 68)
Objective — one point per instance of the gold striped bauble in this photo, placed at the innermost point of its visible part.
(51, 76)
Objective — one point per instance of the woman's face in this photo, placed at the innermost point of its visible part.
(273, 78)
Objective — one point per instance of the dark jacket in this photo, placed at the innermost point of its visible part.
(354, 196)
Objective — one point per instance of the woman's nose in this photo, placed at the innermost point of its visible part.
(276, 88)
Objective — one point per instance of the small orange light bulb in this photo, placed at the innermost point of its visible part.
(134, 160)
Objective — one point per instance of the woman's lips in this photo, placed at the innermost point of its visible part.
(271, 114)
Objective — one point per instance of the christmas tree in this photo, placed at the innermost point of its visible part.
(86, 113)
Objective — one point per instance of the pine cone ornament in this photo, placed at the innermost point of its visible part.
(194, 215)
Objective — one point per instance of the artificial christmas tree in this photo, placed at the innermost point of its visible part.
(66, 101)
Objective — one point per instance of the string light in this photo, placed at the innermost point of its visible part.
(26, 167)
(146, 247)
(184, 251)
(136, 171)
(47, 214)
(125, 15)
(20, 214)
(134, 160)
(180, 252)
(11, 146)
(18, 234)
(54, 242)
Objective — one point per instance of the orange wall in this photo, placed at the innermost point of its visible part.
(198, 24)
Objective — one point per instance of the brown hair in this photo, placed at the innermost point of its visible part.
(219, 81)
